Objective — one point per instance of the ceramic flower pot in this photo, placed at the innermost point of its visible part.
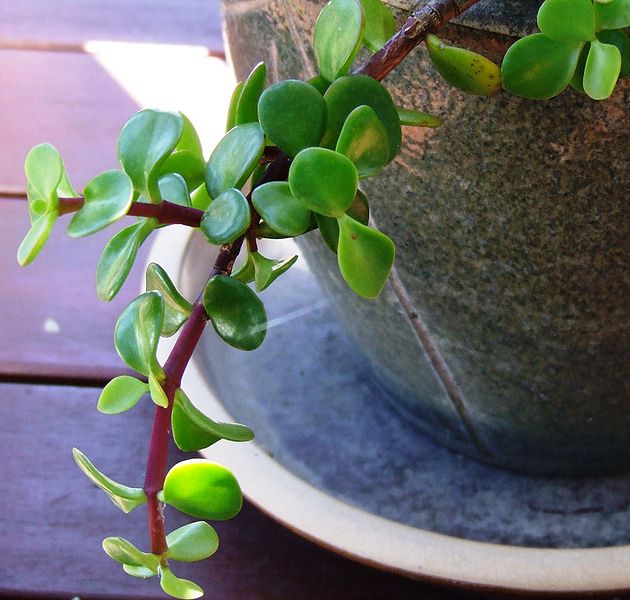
(504, 330)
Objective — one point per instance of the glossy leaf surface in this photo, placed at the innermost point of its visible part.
(464, 69)
(158, 395)
(140, 572)
(192, 542)
(245, 272)
(107, 198)
(329, 228)
(601, 71)
(363, 139)
(121, 394)
(203, 489)
(187, 433)
(280, 209)
(293, 114)
(118, 257)
(145, 141)
(176, 307)
(346, 94)
(44, 170)
(537, 67)
(267, 270)
(365, 257)
(379, 24)
(174, 189)
(622, 41)
(236, 312)
(417, 118)
(231, 116)
(613, 15)
(190, 167)
(234, 158)
(567, 20)
(226, 218)
(200, 198)
(36, 237)
(338, 36)
(137, 332)
(324, 181)
(177, 587)
(247, 108)
(124, 497)
(124, 552)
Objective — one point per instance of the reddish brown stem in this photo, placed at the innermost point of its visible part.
(167, 213)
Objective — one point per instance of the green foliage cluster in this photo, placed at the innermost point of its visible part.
(336, 130)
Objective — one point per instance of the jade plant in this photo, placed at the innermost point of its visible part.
(291, 162)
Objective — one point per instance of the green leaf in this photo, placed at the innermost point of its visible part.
(177, 587)
(363, 139)
(234, 158)
(293, 115)
(416, 118)
(158, 395)
(107, 198)
(247, 108)
(137, 332)
(203, 489)
(236, 313)
(329, 228)
(567, 20)
(200, 198)
(622, 41)
(124, 552)
(121, 394)
(118, 257)
(145, 142)
(36, 237)
(464, 69)
(124, 497)
(613, 15)
(192, 542)
(379, 24)
(601, 71)
(280, 209)
(44, 170)
(65, 188)
(537, 67)
(319, 83)
(324, 181)
(174, 189)
(236, 96)
(365, 257)
(267, 270)
(338, 36)
(176, 307)
(246, 271)
(346, 94)
(227, 218)
(192, 430)
(578, 75)
(141, 572)
(190, 167)
(189, 140)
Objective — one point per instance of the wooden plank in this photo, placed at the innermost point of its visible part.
(71, 23)
(52, 520)
(53, 324)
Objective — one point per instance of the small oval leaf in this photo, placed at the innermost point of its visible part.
(612, 15)
(192, 542)
(137, 332)
(36, 237)
(338, 36)
(365, 257)
(329, 228)
(107, 198)
(227, 218)
(537, 67)
(203, 489)
(324, 181)
(234, 158)
(363, 139)
(280, 209)
(236, 96)
(177, 587)
(379, 24)
(44, 170)
(267, 270)
(601, 71)
(417, 118)
(622, 41)
(296, 103)
(567, 20)
(236, 313)
(158, 395)
(176, 307)
(247, 108)
(124, 552)
(121, 394)
(464, 69)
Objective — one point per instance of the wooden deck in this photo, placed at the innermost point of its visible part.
(71, 73)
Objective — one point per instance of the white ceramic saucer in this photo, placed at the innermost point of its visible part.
(333, 462)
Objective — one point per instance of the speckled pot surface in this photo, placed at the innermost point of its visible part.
(505, 331)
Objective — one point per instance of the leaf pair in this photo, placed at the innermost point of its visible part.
(261, 270)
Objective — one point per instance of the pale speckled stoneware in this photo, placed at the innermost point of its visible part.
(505, 332)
